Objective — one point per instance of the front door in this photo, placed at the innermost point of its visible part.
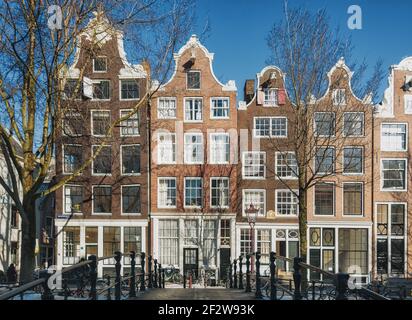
(190, 258)
(224, 262)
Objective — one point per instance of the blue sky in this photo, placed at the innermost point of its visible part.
(239, 29)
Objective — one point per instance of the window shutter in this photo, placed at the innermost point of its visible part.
(260, 96)
(281, 96)
(87, 87)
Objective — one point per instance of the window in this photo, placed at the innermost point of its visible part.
(325, 199)
(225, 231)
(73, 124)
(166, 108)
(287, 245)
(257, 198)
(73, 199)
(13, 252)
(394, 174)
(353, 250)
(191, 232)
(14, 219)
(193, 109)
(321, 250)
(167, 193)
(270, 127)
(129, 127)
(102, 164)
(169, 242)
(100, 123)
(73, 89)
(353, 124)
(193, 80)
(286, 203)
(100, 64)
(391, 238)
(219, 148)
(263, 245)
(73, 158)
(245, 242)
(325, 160)
(129, 90)
(219, 192)
(254, 165)
(101, 90)
(271, 97)
(325, 124)
(408, 103)
(71, 245)
(286, 165)
(339, 97)
(209, 242)
(131, 200)
(102, 199)
(353, 199)
(130, 159)
(132, 241)
(193, 148)
(353, 160)
(91, 241)
(220, 108)
(393, 137)
(193, 192)
(111, 242)
(166, 148)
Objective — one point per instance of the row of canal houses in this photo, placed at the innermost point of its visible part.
(181, 178)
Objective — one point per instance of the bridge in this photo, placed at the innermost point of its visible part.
(151, 281)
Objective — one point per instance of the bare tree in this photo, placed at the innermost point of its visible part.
(34, 59)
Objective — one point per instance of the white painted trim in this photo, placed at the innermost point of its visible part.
(334, 160)
(158, 103)
(211, 153)
(363, 125)
(270, 127)
(198, 134)
(96, 81)
(184, 192)
(170, 134)
(64, 199)
(200, 79)
(363, 161)
(381, 175)
(101, 71)
(184, 109)
(264, 201)
(406, 136)
(315, 125)
(120, 90)
(277, 214)
(276, 166)
(211, 108)
(243, 163)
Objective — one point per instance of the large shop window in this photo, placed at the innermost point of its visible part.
(210, 242)
(71, 245)
(191, 233)
(263, 244)
(390, 238)
(132, 242)
(321, 250)
(92, 241)
(353, 251)
(287, 245)
(111, 242)
(169, 242)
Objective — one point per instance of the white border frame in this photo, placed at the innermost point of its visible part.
(120, 89)
(270, 127)
(210, 192)
(157, 147)
(334, 199)
(264, 166)
(158, 191)
(96, 81)
(130, 118)
(64, 199)
(211, 154)
(315, 127)
(406, 136)
(134, 214)
(276, 166)
(91, 121)
(193, 133)
(363, 125)
(157, 108)
(184, 192)
(211, 108)
(185, 99)
(381, 175)
(107, 64)
(363, 161)
(277, 214)
(200, 79)
(63, 154)
(264, 215)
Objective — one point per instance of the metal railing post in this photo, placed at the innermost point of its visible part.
(109, 289)
(65, 289)
(155, 274)
(297, 278)
(230, 276)
(160, 275)
(142, 276)
(258, 291)
(248, 288)
(341, 286)
(150, 284)
(118, 285)
(184, 280)
(47, 294)
(234, 274)
(240, 272)
(132, 291)
(273, 291)
(313, 290)
(93, 277)
(163, 278)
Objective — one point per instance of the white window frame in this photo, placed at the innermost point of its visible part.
(343, 161)
(276, 166)
(184, 109)
(121, 159)
(212, 108)
(315, 126)
(159, 160)
(111, 165)
(405, 101)
(130, 118)
(94, 60)
(161, 206)
(104, 213)
(334, 200)
(64, 199)
(186, 153)
(95, 81)
(406, 175)
(335, 94)
(276, 203)
(200, 80)
(91, 121)
(334, 161)
(363, 124)
(121, 200)
(244, 177)
(362, 199)
(228, 192)
(63, 155)
(169, 99)
(213, 156)
(385, 148)
(120, 89)
(270, 127)
(71, 114)
(270, 103)
(184, 192)
(246, 205)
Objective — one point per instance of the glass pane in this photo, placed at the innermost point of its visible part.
(314, 237)
(328, 237)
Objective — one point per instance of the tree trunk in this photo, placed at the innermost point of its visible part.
(28, 245)
(303, 229)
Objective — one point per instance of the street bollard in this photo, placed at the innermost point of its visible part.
(155, 274)
(150, 284)
(93, 277)
(248, 287)
(132, 291)
(234, 274)
(240, 273)
(258, 289)
(297, 278)
(142, 276)
(341, 286)
(273, 289)
(118, 267)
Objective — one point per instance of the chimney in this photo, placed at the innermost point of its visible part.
(249, 90)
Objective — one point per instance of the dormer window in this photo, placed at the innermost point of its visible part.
(339, 97)
(100, 64)
(271, 97)
(193, 80)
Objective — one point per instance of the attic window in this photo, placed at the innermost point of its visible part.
(193, 80)
(100, 64)
(271, 97)
(339, 97)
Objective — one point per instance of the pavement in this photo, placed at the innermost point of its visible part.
(217, 293)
